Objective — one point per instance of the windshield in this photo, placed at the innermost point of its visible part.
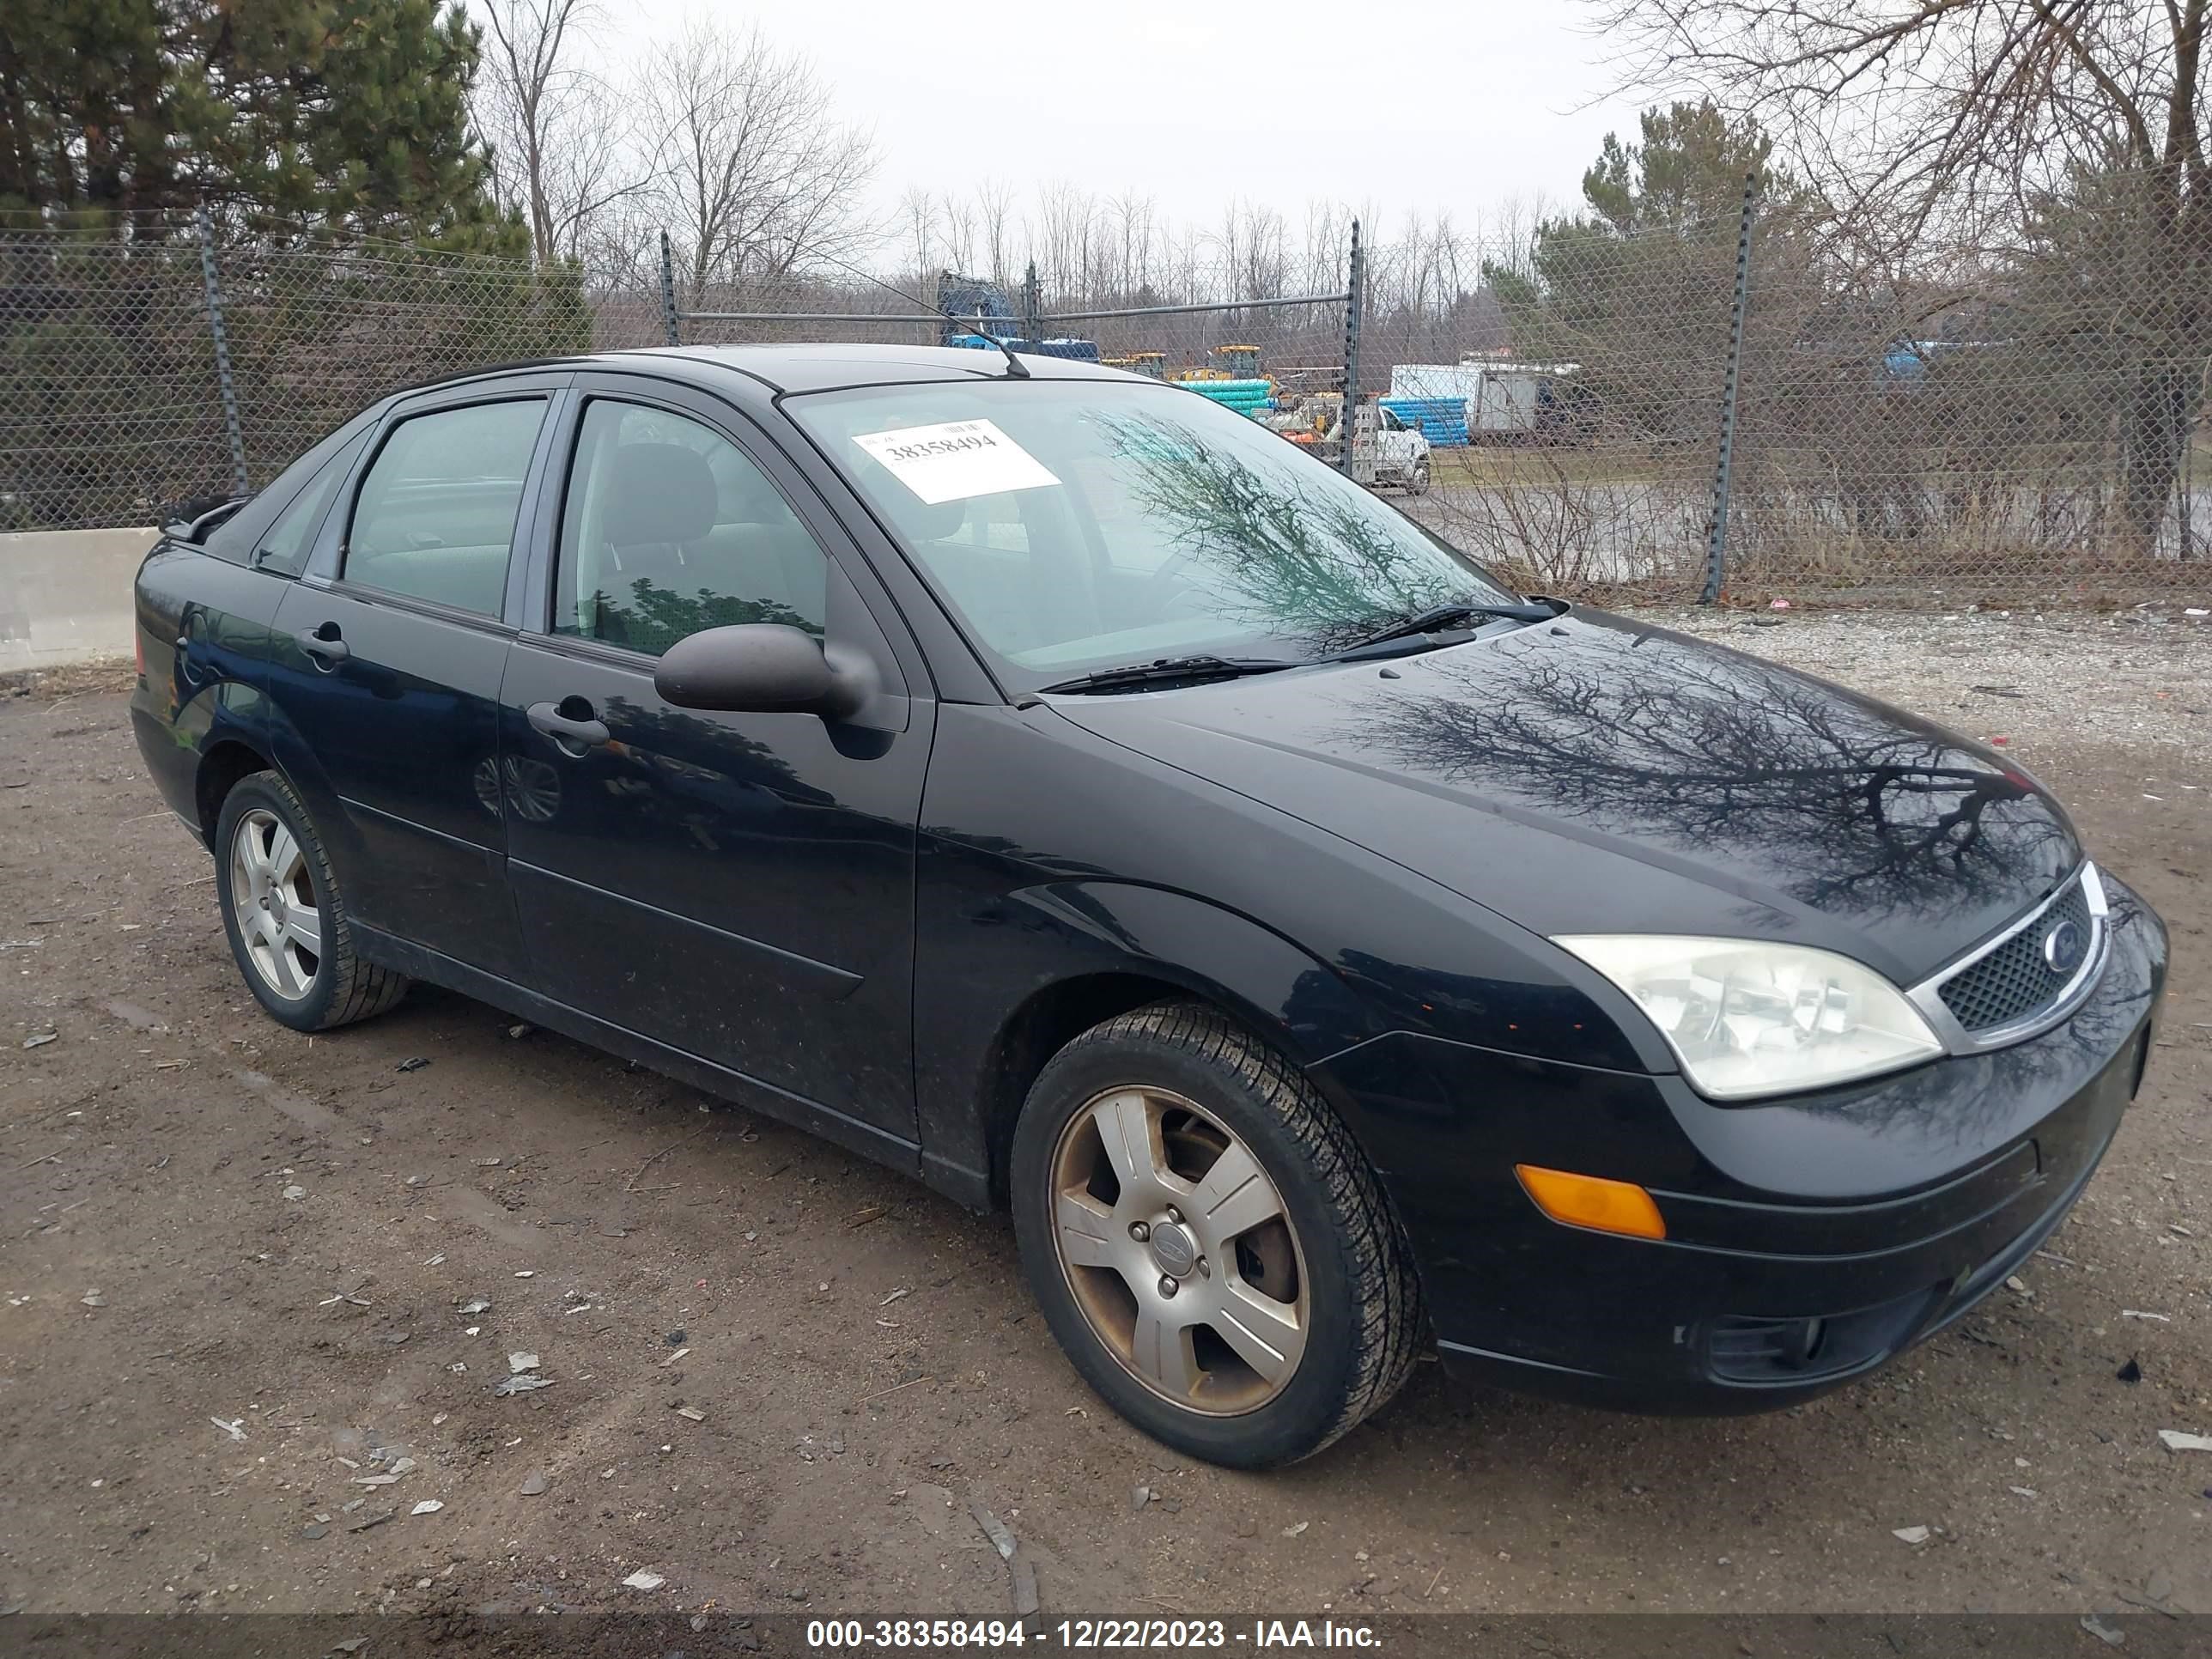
(1078, 524)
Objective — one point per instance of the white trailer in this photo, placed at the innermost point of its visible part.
(1506, 403)
(1504, 396)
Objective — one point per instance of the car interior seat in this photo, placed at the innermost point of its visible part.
(685, 544)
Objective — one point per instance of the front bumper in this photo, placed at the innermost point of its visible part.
(1809, 1241)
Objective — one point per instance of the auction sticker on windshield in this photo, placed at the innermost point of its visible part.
(955, 460)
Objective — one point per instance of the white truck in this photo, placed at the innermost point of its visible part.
(1397, 451)
(1401, 454)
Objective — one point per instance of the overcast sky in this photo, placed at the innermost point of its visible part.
(1406, 105)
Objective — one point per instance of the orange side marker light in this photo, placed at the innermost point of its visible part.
(1592, 1202)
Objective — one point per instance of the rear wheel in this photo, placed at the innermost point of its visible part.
(1207, 1243)
(284, 916)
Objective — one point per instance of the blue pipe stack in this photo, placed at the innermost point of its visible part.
(1251, 397)
(1442, 421)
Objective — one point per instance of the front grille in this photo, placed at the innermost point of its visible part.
(2013, 982)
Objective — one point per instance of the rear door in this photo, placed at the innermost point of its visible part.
(738, 887)
(387, 660)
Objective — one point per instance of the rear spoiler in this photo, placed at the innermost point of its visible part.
(192, 520)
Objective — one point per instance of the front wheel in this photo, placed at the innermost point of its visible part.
(1206, 1241)
(1417, 480)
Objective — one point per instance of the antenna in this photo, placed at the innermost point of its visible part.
(1015, 369)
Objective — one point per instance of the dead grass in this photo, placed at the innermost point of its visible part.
(71, 679)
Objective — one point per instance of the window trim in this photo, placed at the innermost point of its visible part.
(334, 543)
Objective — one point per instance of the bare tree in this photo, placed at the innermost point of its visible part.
(918, 223)
(753, 176)
(1327, 234)
(1921, 114)
(562, 154)
(1060, 235)
(959, 231)
(994, 208)
(1133, 230)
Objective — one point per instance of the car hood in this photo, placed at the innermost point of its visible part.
(1594, 775)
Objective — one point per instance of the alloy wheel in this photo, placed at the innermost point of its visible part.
(279, 920)
(1179, 1251)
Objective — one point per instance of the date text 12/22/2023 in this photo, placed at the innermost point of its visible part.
(1084, 1635)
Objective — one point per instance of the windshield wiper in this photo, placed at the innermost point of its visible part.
(1445, 616)
(1171, 670)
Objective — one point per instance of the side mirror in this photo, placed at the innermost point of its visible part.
(763, 668)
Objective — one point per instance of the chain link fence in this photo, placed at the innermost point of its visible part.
(108, 398)
(112, 394)
(1572, 405)
(2010, 419)
(1277, 356)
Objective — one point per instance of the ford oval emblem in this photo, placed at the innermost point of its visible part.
(2064, 947)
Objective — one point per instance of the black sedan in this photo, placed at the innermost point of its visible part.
(1060, 789)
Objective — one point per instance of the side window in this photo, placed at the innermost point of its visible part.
(285, 548)
(435, 517)
(669, 528)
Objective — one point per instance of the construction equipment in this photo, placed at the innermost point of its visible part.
(974, 299)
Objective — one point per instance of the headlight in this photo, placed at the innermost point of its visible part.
(1747, 1019)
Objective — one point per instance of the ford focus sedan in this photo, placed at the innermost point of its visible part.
(1060, 789)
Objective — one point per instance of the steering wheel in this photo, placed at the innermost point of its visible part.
(1169, 594)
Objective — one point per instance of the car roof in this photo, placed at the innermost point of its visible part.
(817, 367)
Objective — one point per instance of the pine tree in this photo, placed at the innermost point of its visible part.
(1635, 288)
(325, 118)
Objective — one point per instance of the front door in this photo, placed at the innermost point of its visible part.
(384, 683)
(738, 887)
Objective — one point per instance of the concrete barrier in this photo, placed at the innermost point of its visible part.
(65, 595)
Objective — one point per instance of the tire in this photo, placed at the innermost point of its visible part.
(1196, 1367)
(1417, 480)
(266, 849)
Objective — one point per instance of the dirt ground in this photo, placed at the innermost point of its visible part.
(236, 1261)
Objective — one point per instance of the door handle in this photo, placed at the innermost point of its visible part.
(547, 719)
(185, 648)
(327, 649)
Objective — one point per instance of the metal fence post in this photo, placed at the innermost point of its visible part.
(1717, 527)
(1032, 306)
(1353, 298)
(205, 227)
(668, 293)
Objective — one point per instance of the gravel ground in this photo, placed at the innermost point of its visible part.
(2137, 677)
(235, 1262)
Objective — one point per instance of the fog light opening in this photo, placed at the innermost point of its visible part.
(1592, 1202)
(1801, 1345)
